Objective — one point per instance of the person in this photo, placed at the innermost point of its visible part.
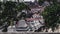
(5, 27)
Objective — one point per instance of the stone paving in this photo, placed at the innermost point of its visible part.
(27, 33)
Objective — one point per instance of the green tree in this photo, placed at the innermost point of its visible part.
(10, 11)
(0, 5)
(21, 7)
(41, 2)
(51, 16)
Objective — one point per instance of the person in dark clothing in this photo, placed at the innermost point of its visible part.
(5, 28)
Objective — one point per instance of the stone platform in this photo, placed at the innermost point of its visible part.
(28, 33)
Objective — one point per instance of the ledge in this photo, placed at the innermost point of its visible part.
(29, 32)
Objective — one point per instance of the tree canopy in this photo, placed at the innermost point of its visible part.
(51, 15)
(10, 11)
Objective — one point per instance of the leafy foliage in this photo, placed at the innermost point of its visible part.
(52, 15)
(0, 5)
(10, 11)
(40, 2)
